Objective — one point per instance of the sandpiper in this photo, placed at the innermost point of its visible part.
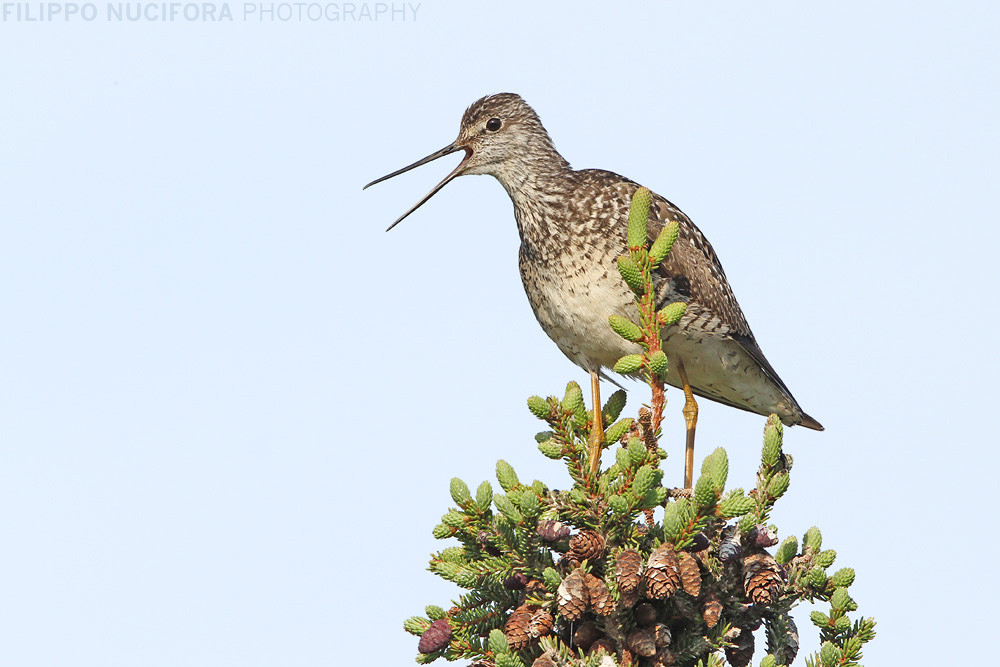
(572, 225)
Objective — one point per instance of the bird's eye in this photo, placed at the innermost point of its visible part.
(493, 124)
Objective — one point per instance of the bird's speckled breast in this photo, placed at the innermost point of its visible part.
(565, 308)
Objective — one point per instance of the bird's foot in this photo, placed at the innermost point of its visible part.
(690, 412)
(596, 443)
(597, 426)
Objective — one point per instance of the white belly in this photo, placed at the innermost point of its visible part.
(575, 313)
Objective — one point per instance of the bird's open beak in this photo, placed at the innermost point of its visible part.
(447, 150)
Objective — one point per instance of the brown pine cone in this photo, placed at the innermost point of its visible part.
(690, 574)
(567, 562)
(516, 628)
(662, 635)
(515, 582)
(599, 596)
(572, 596)
(436, 637)
(644, 614)
(741, 653)
(662, 576)
(545, 660)
(729, 544)
(628, 570)
(761, 536)
(535, 586)
(700, 543)
(552, 531)
(485, 539)
(665, 658)
(642, 641)
(761, 578)
(605, 644)
(540, 624)
(628, 600)
(712, 611)
(782, 638)
(586, 634)
(586, 545)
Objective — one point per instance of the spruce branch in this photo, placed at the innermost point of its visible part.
(637, 267)
(611, 580)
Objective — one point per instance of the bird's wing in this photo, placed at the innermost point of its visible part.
(754, 352)
(692, 271)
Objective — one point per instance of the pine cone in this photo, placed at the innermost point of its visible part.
(628, 600)
(541, 624)
(741, 653)
(604, 643)
(762, 537)
(586, 545)
(665, 658)
(690, 574)
(552, 531)
(642, 642)
(599, 596)
(572, 596)
(662, 576)
(436, 637)
(515, 582)
(746, 616)
(586, 634)
(545, 660)
(516, 628)
(791, 642)
(644, 614)
(782, 638)
(485, 541)
(700, 543)
(761, 578)
(712, 611)
(535, 586)
(729, 544)
(628, 570)
(567, 562)
(662, 635)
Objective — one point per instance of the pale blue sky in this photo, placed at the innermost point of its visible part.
(230, 404)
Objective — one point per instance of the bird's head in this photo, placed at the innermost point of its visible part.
(501, 136)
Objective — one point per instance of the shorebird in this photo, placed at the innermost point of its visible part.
(572, 225)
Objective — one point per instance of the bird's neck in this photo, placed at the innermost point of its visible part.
(537, 187)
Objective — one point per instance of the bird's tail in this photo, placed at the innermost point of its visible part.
(809, 422)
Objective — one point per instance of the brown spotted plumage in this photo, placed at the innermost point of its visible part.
(572, 225)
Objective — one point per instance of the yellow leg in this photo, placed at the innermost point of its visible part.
(597, 431)
(690, 412)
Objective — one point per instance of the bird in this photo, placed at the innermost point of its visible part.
(572, 226)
